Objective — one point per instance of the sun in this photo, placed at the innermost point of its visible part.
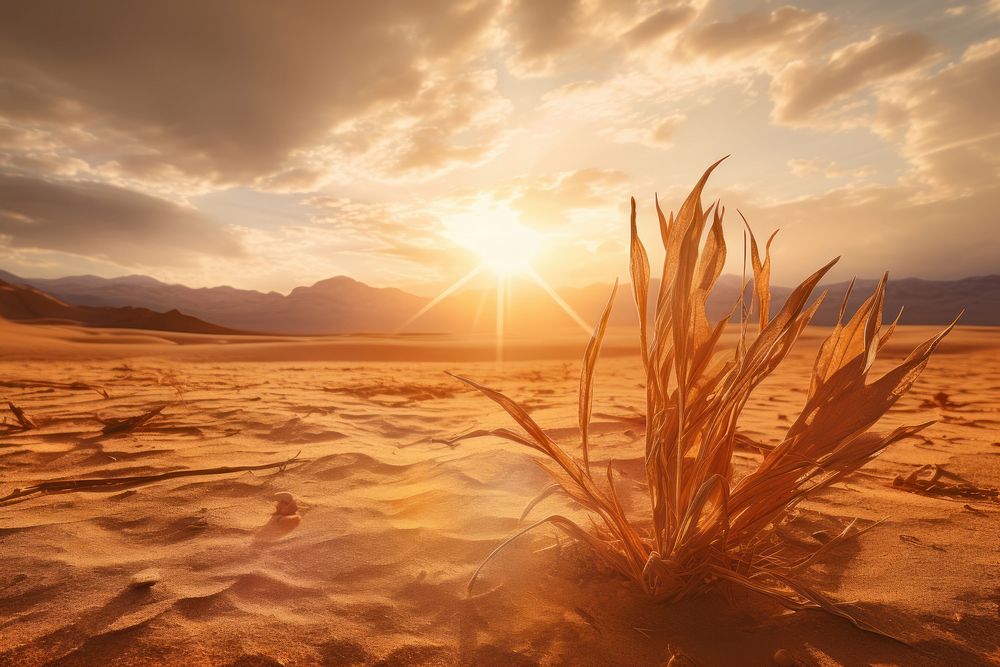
(506, 248)
(503, 245)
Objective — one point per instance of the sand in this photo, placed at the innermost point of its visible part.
(393, 519)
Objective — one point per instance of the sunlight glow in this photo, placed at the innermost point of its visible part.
(568, 309)
(443, 295)
(503, 245)
(506, 248)
(501, 303)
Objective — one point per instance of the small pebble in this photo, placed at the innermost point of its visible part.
(784, 658)
(285, 503)
(145, 578)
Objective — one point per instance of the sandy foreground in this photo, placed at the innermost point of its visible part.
(394, 520)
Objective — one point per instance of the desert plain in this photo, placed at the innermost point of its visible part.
(394, 514)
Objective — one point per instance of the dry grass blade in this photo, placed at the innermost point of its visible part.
(112, 483)
(586, 402)
(707, 527)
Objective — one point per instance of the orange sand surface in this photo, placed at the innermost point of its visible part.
(394, 519)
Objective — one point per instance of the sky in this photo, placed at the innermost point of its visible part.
(267, 145)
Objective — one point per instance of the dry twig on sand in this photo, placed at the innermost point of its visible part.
(706, 527)
(72, 386)
(117, 426)
(941, 400)
(24, 422)
(115, 483)
(927, 480)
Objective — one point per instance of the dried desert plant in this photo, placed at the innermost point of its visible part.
(707, 527)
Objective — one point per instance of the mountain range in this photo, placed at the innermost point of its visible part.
(345, 305)
(26, 304)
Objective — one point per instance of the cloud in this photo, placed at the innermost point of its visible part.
(403, 234)
(947, 123)
(108, 223)
(805, 88)
(226, 93)
(543, 30)
(46, 162)
(301, 178)
(640, 106)
(663, 22)
(663, 132)
(458, 120)
(549, 202)
(830, 169)
(786, 30)
(553, 36)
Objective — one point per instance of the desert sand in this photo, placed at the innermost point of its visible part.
(395, 517)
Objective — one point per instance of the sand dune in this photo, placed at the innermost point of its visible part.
(394, 520)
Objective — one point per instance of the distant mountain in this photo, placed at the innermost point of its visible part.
(922, 301)
(27, 304)
(344, 305)
(337, 305)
